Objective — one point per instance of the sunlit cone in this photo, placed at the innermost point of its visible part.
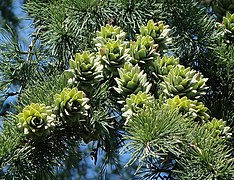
(228, 22)
(190, 108)
(220, 128)
(113, 56)
(108, 32)
(85, 69)
(143, 50)
(132, 80)
(71, 105)
(135, 103)
(36, 119)
(163, 65)
(158, 31)
(221, 7)
(184, 82)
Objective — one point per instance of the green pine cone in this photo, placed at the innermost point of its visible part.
(85, 70)
(108, 32)
(228, 22)
(220, 128)
(131, 81)
(162, 66)
(135, 103)
(143, 51)
(184, 82)
(158, 31)
(222, 7)
(190, 108)
(71, 105)
(113, 56)
(36, 119)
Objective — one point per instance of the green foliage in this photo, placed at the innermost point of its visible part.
(205, 157)
(10, 137)
(13, 60)
(55, 146)
(132, 14)
(194, 31)
(199, 43)
(159, 136)
(228, 22)
(36, 90)
(221, 105)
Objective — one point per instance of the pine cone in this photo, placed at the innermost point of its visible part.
(158, 31)
(220, 128)
(190, 108)
(132, 80)
(184, 82)
(85, 70)
(36, 119)
(113, 56)
(143, 51)
(108, 32)
(135, 103)
(228, 22)
(71, 105)
(162, 66)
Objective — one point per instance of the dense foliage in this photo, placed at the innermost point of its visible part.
(153, 79)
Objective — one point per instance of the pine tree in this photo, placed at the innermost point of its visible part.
(152, 79)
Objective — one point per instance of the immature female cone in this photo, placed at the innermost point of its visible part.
(136, 103)
(184, 82)
(113, 56)
(190, 108)
(163, 65)
(85, 70)
(108, 32)
(219, 127)
(131, 81)
(72, 105)
(36, 119)
(143, 51)
(228, 22)
(158, 31)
